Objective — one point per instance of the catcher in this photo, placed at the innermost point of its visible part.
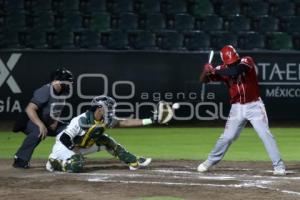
(86, 134)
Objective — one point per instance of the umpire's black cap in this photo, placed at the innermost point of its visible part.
(62, 74)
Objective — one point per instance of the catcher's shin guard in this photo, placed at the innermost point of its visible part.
(124, 155)
(54, 165)
(105, 140)
(74, 164)
(116, 149)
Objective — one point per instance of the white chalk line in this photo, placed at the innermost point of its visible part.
(258, 184)
(280, 190)
(263, 184)
(255, 170)
(194, 176)
(168, 172)
(173, 171)
(290, 192)
(244, 185)
(248, 181)
(169, 183)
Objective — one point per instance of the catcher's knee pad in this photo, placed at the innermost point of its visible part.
(108, 142)
(74, 164)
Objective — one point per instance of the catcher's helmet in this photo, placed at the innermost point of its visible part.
(62, 74)
(108, 104)
(104, 101)
(229, 55)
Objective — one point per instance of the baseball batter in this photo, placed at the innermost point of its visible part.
(239, 74)
(86, 134)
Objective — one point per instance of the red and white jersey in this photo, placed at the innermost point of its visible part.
(243, 88)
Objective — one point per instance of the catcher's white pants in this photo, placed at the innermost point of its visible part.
(255, 113)
(61, 152)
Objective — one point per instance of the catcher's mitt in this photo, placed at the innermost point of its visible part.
(164, 113)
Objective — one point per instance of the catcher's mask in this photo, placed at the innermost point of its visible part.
(105, 102)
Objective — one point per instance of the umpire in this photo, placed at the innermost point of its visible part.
(41, 115)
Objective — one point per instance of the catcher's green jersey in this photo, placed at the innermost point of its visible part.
(84, 130)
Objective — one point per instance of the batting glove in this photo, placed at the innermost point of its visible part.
(209, 69)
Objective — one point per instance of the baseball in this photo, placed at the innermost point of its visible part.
(175, 106)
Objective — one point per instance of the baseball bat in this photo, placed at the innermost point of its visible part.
(211, 55)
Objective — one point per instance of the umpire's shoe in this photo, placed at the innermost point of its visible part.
(141, 162)
(20, 163)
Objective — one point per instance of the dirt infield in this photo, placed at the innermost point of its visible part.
(108, 179)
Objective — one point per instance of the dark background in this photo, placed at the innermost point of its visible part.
(155, 73)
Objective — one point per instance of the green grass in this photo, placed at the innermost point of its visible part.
(176, 143)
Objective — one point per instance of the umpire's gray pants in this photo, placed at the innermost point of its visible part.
(32, 140)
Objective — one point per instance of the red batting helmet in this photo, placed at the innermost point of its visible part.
(229, 55)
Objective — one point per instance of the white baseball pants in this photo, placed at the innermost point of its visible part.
(255, 113)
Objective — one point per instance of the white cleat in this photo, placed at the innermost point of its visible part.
(203, 167)
(142, 162)
(145, 162)
(133, 168)
(49, 167)
(279, 172)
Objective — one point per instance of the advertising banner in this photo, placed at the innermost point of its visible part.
(138, 80)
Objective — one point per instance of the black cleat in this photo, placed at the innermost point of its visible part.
(20, 163)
